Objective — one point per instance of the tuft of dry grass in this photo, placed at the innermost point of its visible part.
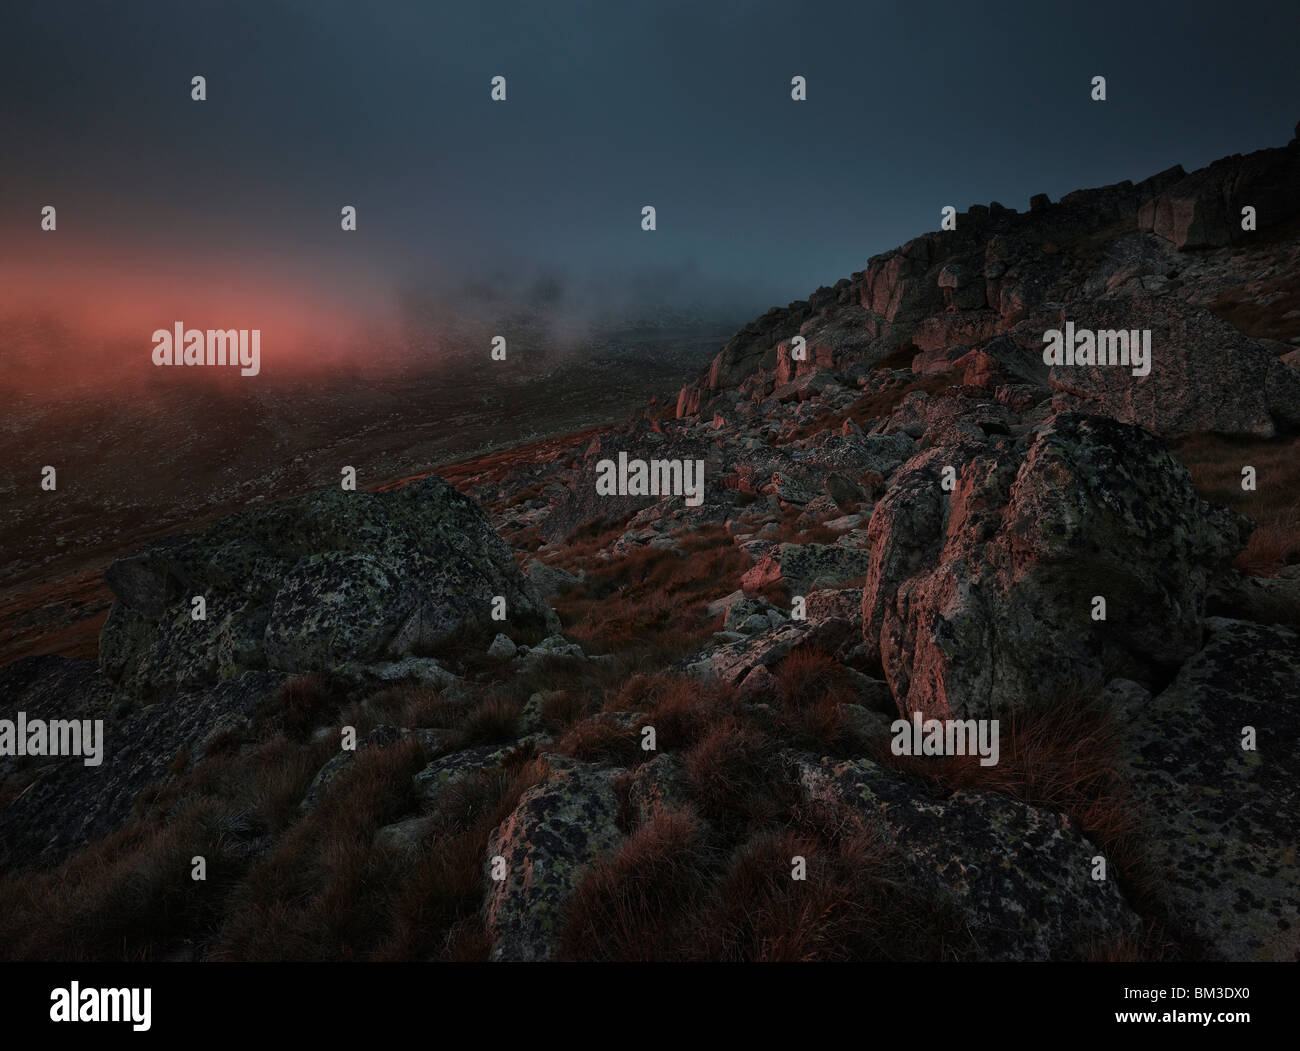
(669, 894)
(600, 739)
(1216, 462)
(648, 606)
(491, 721)
(636, 904)
(1066, 757)
(731, 783)
(301, 704)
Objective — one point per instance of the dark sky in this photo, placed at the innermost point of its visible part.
(612, 105)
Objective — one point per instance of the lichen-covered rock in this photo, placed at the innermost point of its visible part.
(1204, 374)
(445, 773)
(733, 661)
(406, 837)
(1020, 877)
(981, 600)
(1221, 821)
(806, 567)
(61, 804)
(420, 671)
(659, 786)
(310, 584)
(556, 830)
(551, 580)
(860, 454)
(844, 603)
(550, 647)
(752, 615)
(791, 490)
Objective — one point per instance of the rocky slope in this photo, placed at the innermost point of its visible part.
(683, 704)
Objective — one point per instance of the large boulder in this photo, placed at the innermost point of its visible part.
(311, 584)
(1220, 820)
(1019, 877)
(981, 600)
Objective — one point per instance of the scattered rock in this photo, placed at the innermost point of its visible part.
(502, 648)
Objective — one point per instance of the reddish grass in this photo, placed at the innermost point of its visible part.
(729, 776)
(602, 740)
(651, 602)
(682, 710)
(1065, 757)
(1216, 462)
(302, 704)
(633, 904)
(491, 720)
(129, 895)
(433, 906)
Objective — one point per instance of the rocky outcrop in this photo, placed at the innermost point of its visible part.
(1204, 374)
(973, 299)
(311, 584)
(1204, 209)
(981, 600)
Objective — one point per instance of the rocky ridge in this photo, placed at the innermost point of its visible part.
(921, 503)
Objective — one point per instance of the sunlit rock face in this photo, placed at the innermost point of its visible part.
(982, 600)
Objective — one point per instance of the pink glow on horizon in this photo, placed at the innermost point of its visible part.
(103, 314)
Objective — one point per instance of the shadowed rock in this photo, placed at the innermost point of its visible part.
(311, 584)
(1220, 821)
(1019, 877)
(65, 804)
(1204, 374)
